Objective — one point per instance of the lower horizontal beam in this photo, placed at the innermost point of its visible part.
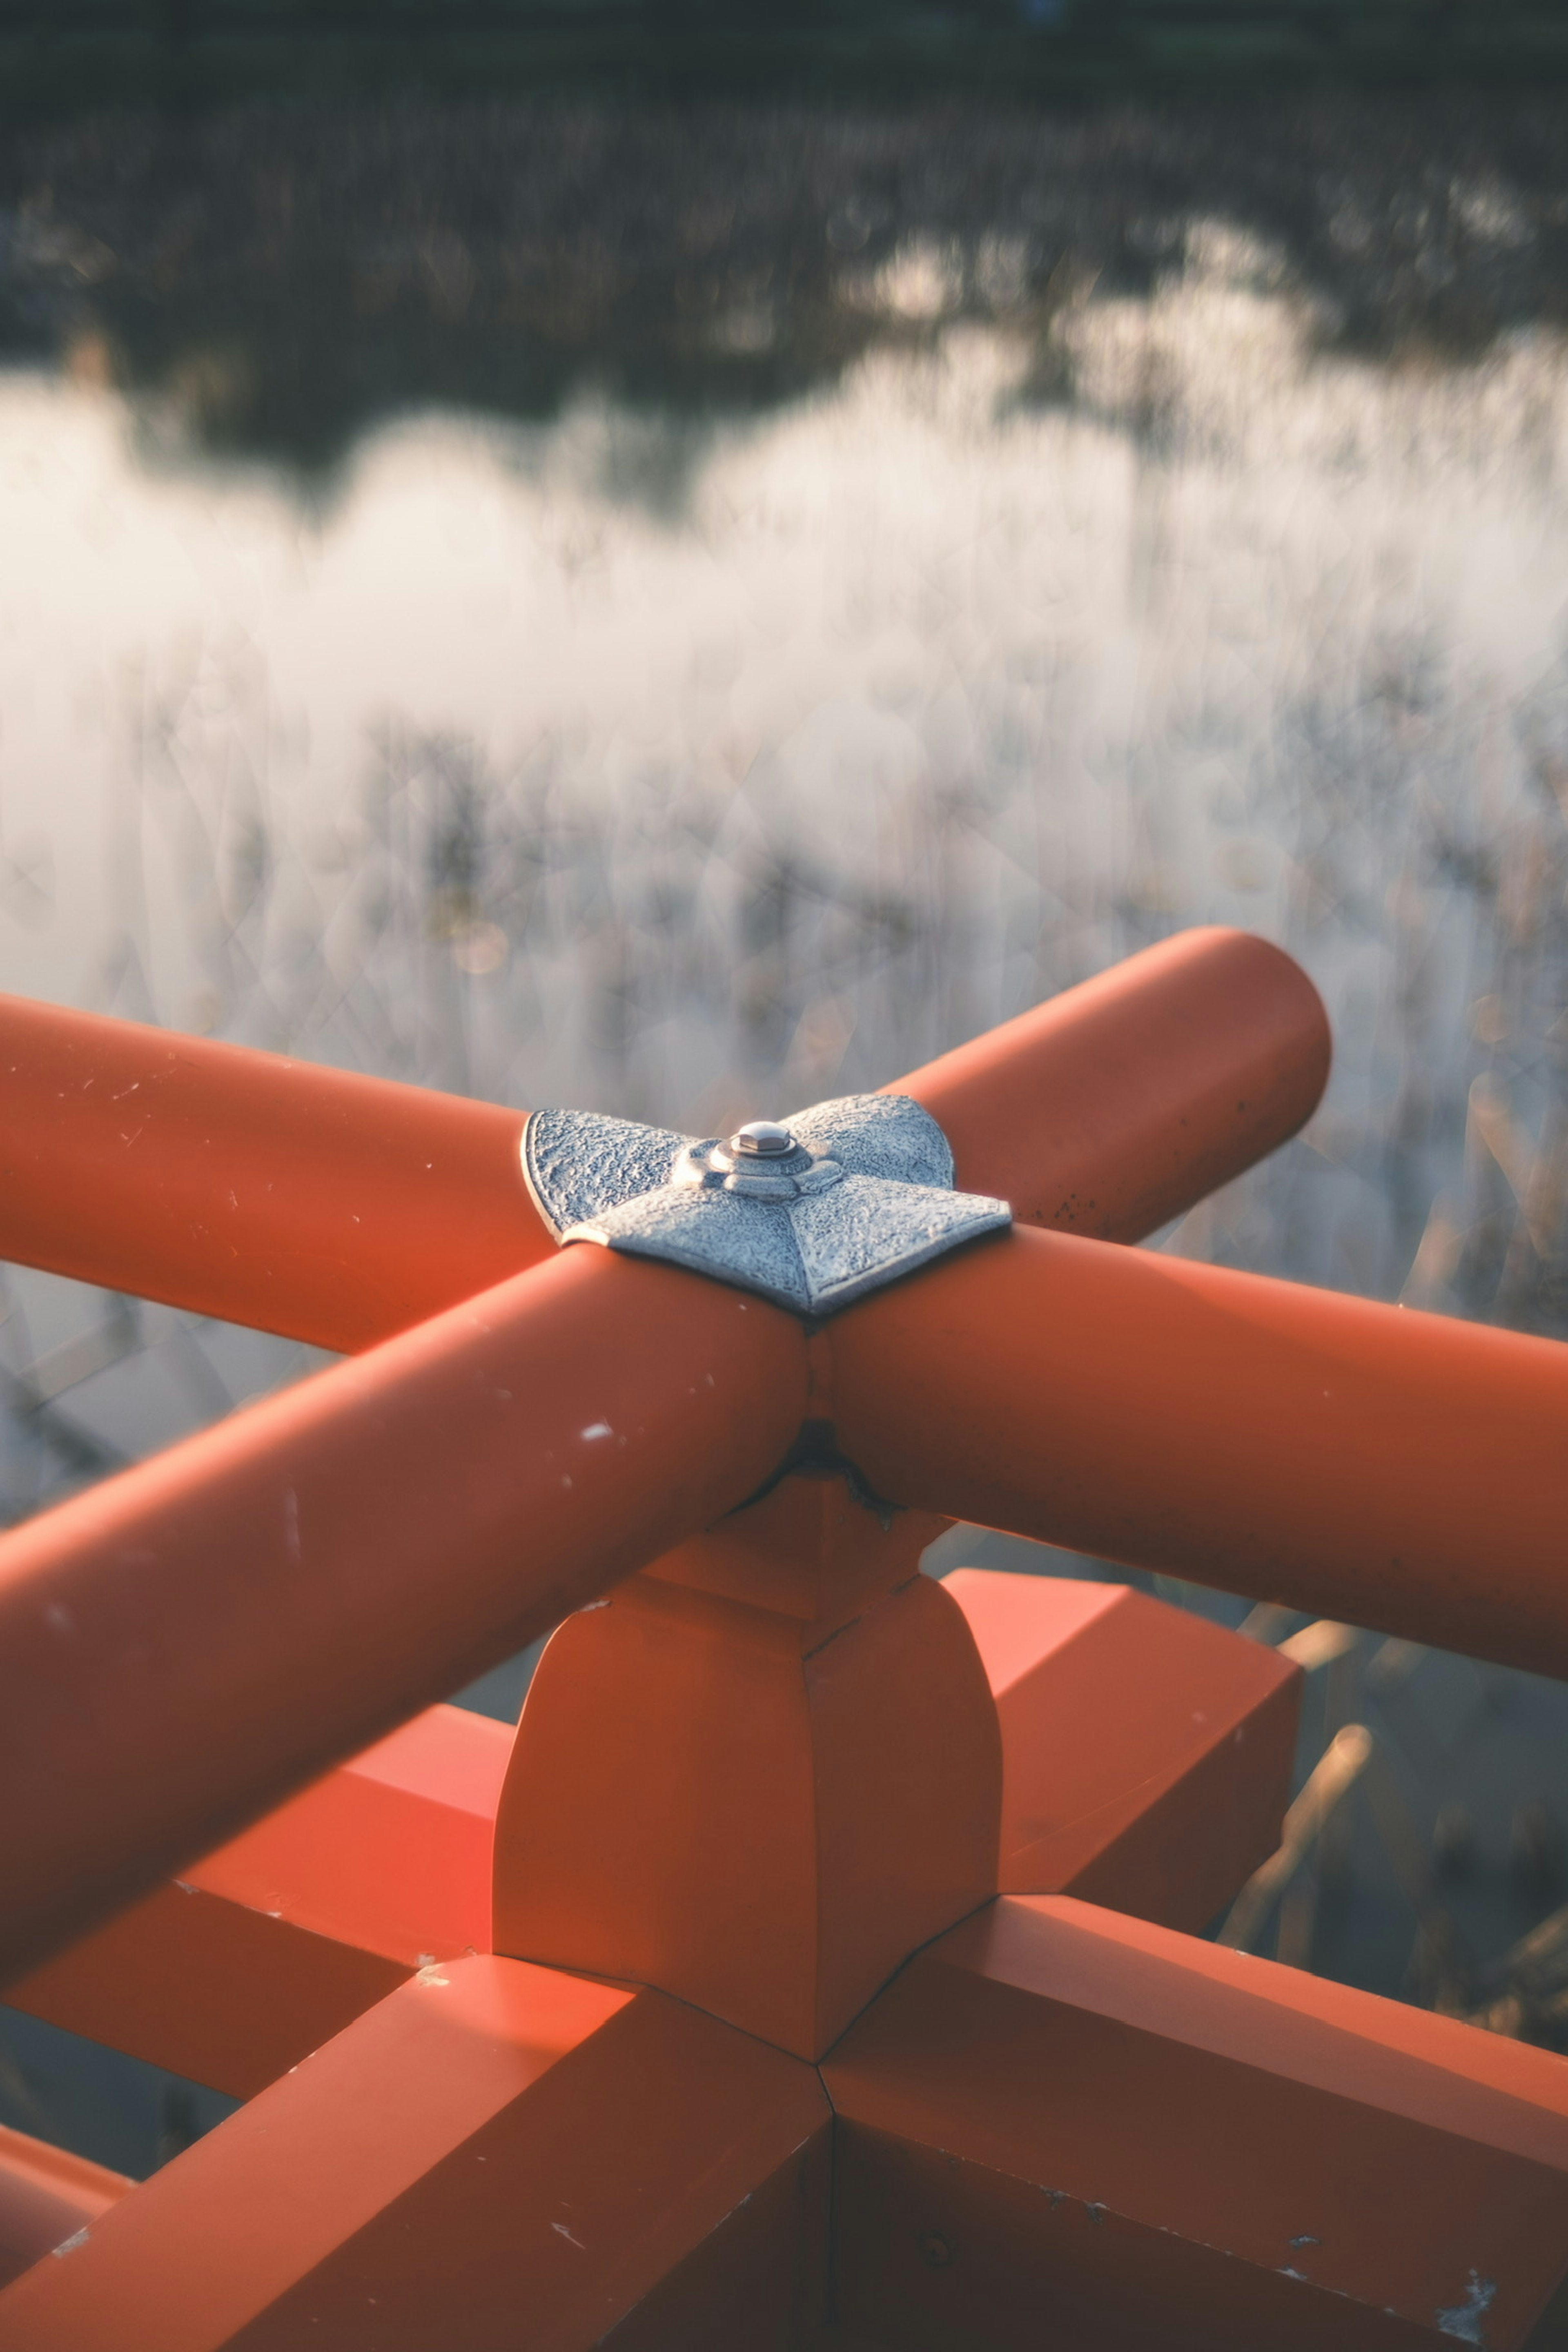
(1146, 1754)
(47, 2197)
(1063, 2127)
(496, 2155)
(269, 1944)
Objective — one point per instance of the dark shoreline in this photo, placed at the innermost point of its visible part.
(291, 275)
(58, 57)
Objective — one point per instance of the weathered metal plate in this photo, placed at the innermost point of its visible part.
(875, 1199)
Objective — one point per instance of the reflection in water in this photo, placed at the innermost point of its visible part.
(276, 277)
(691, 756)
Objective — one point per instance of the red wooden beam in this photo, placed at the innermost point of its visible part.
(1062, 2126)
(1364, 1463)
(1121, 1102)
(47, 2197)
(182, 1646)
(340, 1208)
(1146, 1754)
(251, 1186)
(496, 2156)
(264, 1948)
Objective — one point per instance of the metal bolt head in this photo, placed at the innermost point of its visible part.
(761, 1138)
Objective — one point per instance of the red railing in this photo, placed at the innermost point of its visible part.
(777, 1763)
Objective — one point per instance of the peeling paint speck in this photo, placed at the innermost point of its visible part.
(598, 1429)
(1465, 2319)
(68, 2245)
(563, 2232)
(430, 1976)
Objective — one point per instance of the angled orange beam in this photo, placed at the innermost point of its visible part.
(1146, 1754)
(496, 2156)
(183, 1645)
(1393, 1469)
(1061, 2126)
(334, 1208)
(48, 2196)
(264, 1948)
(1121, 1102)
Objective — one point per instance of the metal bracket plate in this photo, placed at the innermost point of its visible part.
(865, 1196)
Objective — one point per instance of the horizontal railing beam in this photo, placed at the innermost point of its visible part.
(340, 1208)
(1365, 1463)
(1118, 1104)
(334, 1208)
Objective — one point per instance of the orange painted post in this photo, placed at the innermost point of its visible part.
(1398, 1470)
(265, 1191)
(1119, 1103)
(496, 2156)
(1063, 2127)
(755, 1810)
(183, 1645)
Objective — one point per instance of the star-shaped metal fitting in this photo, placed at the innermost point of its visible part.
(848, 1196)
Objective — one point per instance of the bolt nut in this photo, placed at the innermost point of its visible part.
(935, 2250)
(761, 1138)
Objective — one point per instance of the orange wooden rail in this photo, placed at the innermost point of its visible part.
(340, 1208)
(1119, 1103)
(1394, 1469)
(332, 1207)
(181, 1648)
